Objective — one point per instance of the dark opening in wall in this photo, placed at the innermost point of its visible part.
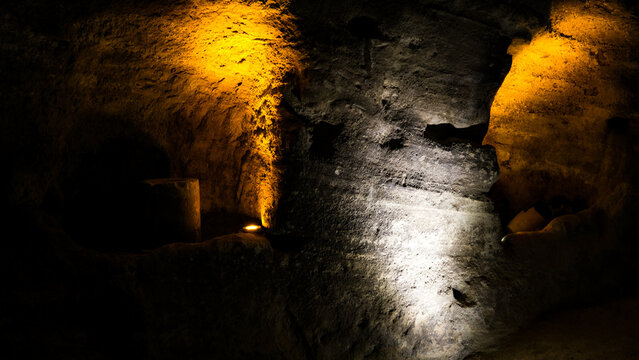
(463, 299)
(324, 135)
(393, 144)
(447, 134)
(103, 197)
(364, 27)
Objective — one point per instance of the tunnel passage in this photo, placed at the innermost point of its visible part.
(103, 196)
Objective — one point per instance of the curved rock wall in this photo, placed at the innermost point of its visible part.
(549, 119)
(192, 89)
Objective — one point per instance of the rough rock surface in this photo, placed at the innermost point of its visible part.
(99, 95)
(366, 176)
(549, 119)
(386, 245)
(374, 175)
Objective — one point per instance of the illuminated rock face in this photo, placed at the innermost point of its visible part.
(384, 245)
(548, 121)
(376, 174)
(392, 196)
(195, 83)
(369, 101)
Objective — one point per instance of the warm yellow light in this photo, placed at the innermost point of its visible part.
(243, 50)
(548, 117)
(252, 227)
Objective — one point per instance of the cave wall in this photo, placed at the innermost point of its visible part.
(387, 182)
(385, 243)
(81, 79)
(381, 78)
(549, 120)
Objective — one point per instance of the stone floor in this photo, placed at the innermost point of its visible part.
(607, 330)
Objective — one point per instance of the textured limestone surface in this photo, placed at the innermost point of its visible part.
(103, 94)
(409, 203)
(367, 176)
(385, 244)
(549, 119)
